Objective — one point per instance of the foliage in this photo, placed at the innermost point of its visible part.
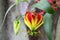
(16, 26)
(48, 25)
(18, 1)
(44, 5)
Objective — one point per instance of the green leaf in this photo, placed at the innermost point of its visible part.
(48, 25)
(16, 1)
(16, 26)
(25, 0)
(44, 5)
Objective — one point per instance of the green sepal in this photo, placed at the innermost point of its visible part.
(33, 33)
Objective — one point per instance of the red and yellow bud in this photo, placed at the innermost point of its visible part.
(33, 20)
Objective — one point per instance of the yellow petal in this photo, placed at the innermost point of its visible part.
(39, 25)
(28, 24)
(33, 23)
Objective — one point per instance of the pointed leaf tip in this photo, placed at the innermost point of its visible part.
(16, 26)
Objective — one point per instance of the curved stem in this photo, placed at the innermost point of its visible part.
(7, 13)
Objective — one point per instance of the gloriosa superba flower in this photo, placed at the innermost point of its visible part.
(33, 20)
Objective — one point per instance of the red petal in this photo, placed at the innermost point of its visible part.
(58, 3)
(50, 1)
(54, 8)
(33, 16)
(37, 0)
(29, 16)
(41, 12)
(39, 17)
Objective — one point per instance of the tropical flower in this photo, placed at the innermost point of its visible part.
(54, 3)
(33, 20)
(37, 0)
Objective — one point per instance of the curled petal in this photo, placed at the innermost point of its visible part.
(29, 15)
(58, 3)
(41, 12)
(40, 21)
(27, 22)
(37, 0)
(54, 8)
(50, 1)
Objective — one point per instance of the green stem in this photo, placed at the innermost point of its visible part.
(7, 13)
(33, 33)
